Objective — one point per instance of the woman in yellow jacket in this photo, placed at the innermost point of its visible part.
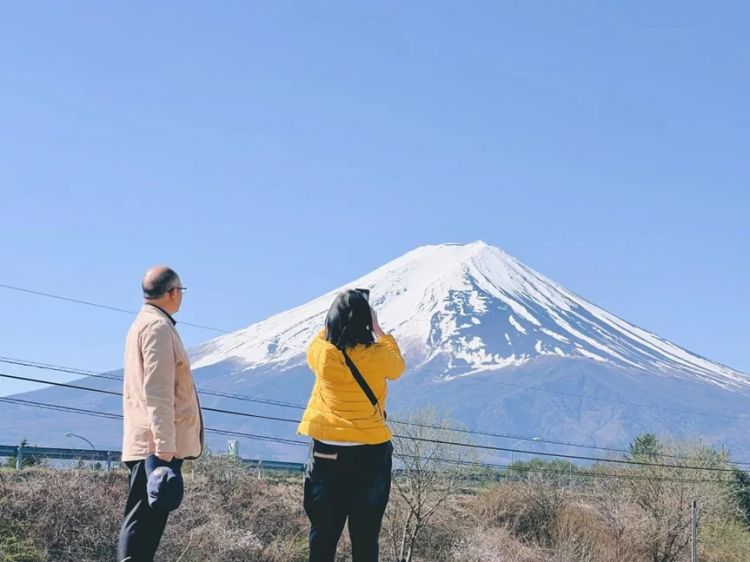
(349, 470)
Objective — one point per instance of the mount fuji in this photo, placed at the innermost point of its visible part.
(499, 346)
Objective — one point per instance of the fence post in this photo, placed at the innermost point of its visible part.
(109, 461)
(694, 532)
(19, 458)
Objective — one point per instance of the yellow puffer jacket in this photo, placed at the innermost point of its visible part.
(338, 409)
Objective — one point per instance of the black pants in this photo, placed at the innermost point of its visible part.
(347, 482)
(142, 527)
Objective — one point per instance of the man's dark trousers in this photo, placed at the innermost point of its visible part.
(347, 482)
(142, 526)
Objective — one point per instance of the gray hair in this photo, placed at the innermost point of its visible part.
(158, 281)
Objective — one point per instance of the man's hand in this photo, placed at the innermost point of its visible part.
(166, 457)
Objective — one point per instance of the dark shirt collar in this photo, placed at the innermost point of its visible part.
(167, 314)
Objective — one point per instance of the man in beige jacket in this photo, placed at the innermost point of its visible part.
(163, 424)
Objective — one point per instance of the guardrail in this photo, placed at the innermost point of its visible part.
(19, 453)
(58, 453)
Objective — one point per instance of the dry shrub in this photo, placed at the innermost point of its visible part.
(436, 538)
(230, 515)
(528, 510)
(226, 544)
(724, 542)
(65, 514)
(227, 516)
(582, 533)
(494, 545)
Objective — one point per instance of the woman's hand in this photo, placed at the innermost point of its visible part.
(375, 326)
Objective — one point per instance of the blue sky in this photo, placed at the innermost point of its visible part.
(273, 151)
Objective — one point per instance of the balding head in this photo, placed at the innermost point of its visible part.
(162, 287)
(158, 281)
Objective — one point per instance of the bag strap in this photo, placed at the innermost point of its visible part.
(363, 384)
(360, 379)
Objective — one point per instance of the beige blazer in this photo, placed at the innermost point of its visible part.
(160, 404)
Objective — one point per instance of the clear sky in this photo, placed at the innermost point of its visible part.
(271, 151)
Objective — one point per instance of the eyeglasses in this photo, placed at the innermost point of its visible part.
(181, 289)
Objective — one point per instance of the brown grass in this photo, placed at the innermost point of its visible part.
(229, 515)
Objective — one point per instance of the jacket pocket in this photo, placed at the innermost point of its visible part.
(324, 448)
(321, 461)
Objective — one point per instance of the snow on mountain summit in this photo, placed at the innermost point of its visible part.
(469, 308)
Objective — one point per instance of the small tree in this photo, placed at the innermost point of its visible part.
(28, 460)
(426, 475)
(665, 493)
(645, 447)
(741, 493)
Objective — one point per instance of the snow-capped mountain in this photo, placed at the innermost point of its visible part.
(493, 343)
(474, 308)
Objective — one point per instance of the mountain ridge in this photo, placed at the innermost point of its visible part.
(473, 284)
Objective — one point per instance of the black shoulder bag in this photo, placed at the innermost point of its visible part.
(363, 384)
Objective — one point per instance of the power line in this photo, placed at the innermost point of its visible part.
(740, 417)
(409, 437)
(562, 456)
(566, 473)
(230, 433)
(60, 408)
(114, 393)
(112, 377)
(94, 374)
(109, 415)
(101, 306)
(589, 474)
(511, 436)
(58, 368)
(255, 437)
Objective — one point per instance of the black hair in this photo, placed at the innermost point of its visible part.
(158, 285)
(349, 321)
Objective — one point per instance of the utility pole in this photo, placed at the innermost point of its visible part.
(233, 450)
(694, 532)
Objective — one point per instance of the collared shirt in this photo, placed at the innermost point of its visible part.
(172, 320)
